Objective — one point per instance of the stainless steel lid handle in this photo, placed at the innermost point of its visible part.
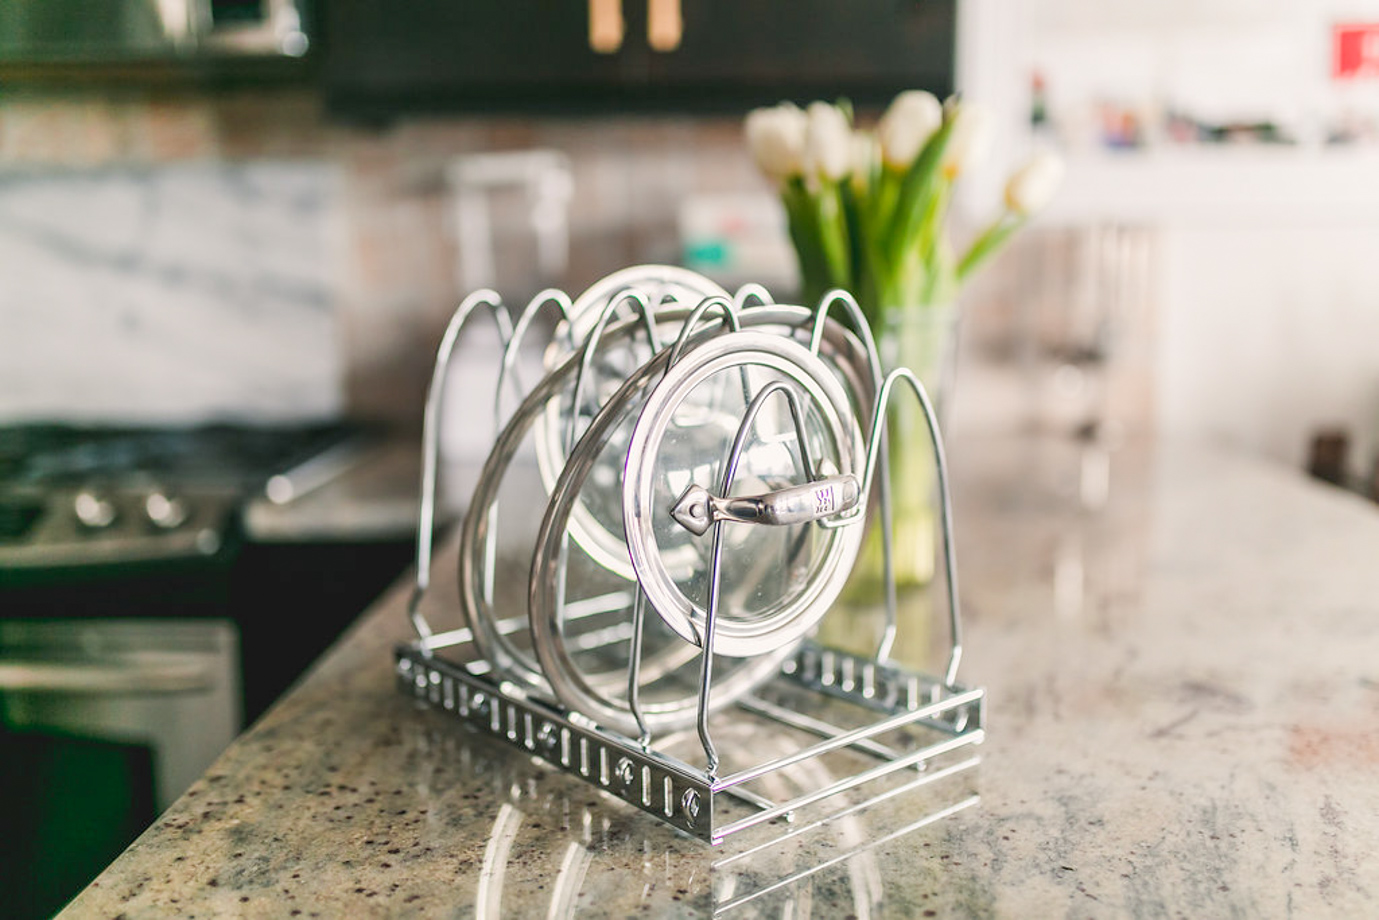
(697, 509)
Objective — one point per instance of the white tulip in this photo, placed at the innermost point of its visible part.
(862, 157)
(1032, 186)
(969, 138)
(828, 142)
(775, 138)
(909, 122)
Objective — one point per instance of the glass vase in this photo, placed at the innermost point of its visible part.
(924, 339)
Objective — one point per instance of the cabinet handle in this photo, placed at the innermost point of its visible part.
(606, 26)
(664, 24)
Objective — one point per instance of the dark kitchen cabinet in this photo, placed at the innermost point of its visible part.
(382, 59)
(768, 49)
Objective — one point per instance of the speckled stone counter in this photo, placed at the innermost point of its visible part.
(1183, 721)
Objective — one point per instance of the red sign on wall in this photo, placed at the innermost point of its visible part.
(1355, 50)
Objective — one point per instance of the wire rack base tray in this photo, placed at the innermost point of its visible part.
(909, 721)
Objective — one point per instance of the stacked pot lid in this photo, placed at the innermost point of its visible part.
(703, 463)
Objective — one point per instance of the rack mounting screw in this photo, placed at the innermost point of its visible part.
(625, 771)
(689, 803)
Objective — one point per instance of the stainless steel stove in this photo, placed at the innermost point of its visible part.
(82, 497)
(137, 627)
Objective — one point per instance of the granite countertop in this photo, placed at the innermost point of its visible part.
(1183, 721)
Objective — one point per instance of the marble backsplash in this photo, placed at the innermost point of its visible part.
(183, 257)
(180, 296)
(171, 292)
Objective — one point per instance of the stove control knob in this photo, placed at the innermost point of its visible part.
(165, 511)
(94, 510)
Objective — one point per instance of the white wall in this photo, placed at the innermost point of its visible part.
(1267, 313)
(1267, 333)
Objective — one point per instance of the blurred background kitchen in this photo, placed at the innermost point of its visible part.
(232, 231)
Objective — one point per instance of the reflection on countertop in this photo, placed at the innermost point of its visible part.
(1184, 693)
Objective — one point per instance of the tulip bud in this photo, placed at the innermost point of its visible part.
(776, 139)
(828, 142)
(967, 143)
(1032, 186)
(909, 122)
(862, 157)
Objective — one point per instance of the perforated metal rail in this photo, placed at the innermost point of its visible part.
(683, 795)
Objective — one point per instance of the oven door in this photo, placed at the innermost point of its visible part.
(103, 723)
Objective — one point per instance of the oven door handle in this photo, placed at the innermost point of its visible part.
(17, 675)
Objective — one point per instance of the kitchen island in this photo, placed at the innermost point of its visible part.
(1183, 720)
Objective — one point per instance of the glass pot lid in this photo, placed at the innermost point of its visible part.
(669, 293)
(775, 582)
(596, 523)
(781, 579)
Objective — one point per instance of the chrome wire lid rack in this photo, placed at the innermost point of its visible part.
(662, 522)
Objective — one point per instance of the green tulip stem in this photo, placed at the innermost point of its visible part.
(988, 243)
(916, 188)
(802, 219)
(833, 234)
